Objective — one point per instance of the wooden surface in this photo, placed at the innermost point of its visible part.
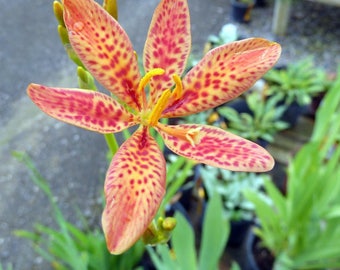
(282, 13)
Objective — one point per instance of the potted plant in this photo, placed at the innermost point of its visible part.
(296, 85)
(302, 229)
(259, 121)
(230, 185)
(183, 252)
(241, 10)
(227, 34)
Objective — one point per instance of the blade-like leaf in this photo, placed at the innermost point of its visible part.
(183, 241)
(215, 234)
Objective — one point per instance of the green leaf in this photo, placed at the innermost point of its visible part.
(215, 234)
(183, 241)
(34, 237)
(176, 180)
(278, 200)
(163, 259)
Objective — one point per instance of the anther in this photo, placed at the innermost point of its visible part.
(147, 77)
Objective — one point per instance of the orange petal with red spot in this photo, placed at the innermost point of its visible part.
(223, 74)
(168, 44)
(104, 48)
(134, 189)
(83, 108)
(216, 147)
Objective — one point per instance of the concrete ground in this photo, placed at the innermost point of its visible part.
(71, 159)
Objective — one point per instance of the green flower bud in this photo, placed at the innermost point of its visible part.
(111, 7)
(58, 10)
(66, 42)
(85, 79)
(159, 232)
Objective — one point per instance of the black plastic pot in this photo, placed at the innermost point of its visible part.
(240, 105)
(316, 101)
(258, 257)
(241, 12)
(260, 3)
(238, 232)
(293, 112)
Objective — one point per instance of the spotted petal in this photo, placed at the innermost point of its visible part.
(223, 74)
(83, 108)
(134, 189)
(104, 48)
(216, 147)
(168, 43)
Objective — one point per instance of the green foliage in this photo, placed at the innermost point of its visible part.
(183, 254)
(178, 170)
(302, 228)
(230, 186)
(69, 247)
(299, 82)
(264, 121)
(328, 113)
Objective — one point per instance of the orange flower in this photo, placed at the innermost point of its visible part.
(135, 181)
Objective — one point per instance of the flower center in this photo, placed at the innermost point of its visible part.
(151, 117)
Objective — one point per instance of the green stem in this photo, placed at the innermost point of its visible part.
(111, 143)
(126, 133)
(86, 81)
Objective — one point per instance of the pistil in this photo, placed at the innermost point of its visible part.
(156, 112)
(192, 136)
(150, 116)
(178, 91)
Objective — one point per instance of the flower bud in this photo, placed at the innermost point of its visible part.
(111, 7)
(159, 232)
(58, 12)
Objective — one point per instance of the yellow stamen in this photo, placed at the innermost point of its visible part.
(177, 93)
(147, 77)
(159, 107)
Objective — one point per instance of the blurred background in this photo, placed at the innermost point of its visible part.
(73, 160)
